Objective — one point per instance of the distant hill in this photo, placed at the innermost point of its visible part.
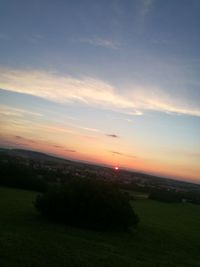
(32, 155)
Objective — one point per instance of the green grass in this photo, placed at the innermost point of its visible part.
(168, 235)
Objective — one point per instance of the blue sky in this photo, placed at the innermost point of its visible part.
(121, 75)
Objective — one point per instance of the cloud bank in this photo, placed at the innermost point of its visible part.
(66, 89)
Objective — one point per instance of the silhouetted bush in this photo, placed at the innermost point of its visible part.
(87, 203)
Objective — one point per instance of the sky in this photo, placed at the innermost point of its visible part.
(109, 82)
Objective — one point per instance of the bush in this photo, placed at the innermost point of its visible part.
(89, 204)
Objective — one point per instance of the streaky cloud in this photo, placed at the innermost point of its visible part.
(135, 100)
(16, 112)
(96, 41)
(112, 135)
(70, 150)
(24, 139)
(122, 154)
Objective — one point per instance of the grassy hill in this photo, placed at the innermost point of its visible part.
(168, 235)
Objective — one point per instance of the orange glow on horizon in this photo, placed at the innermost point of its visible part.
(99, 155)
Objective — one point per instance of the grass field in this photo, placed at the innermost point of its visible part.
(168, 235)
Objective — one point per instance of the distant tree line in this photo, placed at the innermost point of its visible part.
(165, 196)
(175, 197)
(17, 175)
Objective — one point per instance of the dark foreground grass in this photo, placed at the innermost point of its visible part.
(168, 235)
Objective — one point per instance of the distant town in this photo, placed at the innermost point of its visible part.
(56, 170)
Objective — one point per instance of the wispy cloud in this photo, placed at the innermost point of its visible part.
(70, 150)
(21, 140)
(64, 89)
(85, 128)
(122, 154)
(24, 140)
(90, 138)
(112, 135)
(65, 149)
(147, 5)
(35, 38)
(56, 129)
(58, 146)
(16, 112)
(105, 43)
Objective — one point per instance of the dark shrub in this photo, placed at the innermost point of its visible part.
(87, 203)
